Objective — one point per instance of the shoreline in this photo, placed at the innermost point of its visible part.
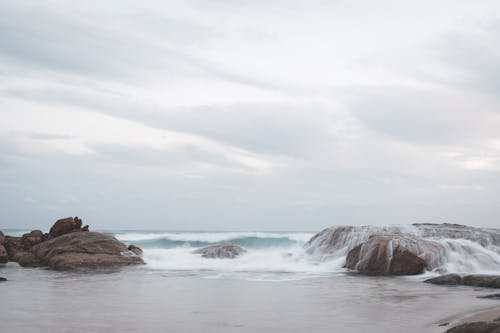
(483, 315)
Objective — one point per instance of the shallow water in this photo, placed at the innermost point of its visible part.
(144, 300)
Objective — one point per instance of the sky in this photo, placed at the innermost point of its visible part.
(249, 115)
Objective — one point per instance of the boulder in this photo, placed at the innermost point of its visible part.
(447, 279)
(135, 249)
(4, 257)
(28, 259)
(65, 225)
(77, 250)
(33, 238)
(226, 250)
(477, 327)
(391, 254)
(2, 238)
(13, 245)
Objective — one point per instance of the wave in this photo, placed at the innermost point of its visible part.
(198, 239)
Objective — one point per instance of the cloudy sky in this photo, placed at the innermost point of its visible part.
(261, 115)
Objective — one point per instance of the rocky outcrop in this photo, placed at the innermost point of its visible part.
(67, 247)
(389, 255)
(473, 280)
(77, 250)
(226, 250)
(67, 225)
(477, 327)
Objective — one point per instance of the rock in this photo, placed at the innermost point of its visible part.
(2, 279)
(485, 281)
(226, 250)
(77, 250)
(474, 280)
(137, 250)
(30, 239)
(390, 255)
(28, 259)
(447, 279)
(491, 296)
(4, 256)
(13, 245)
(64, 226)
(477, 327)
(2, 238)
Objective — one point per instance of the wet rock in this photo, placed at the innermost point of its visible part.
(491, 296)
(477, 327)
(14, 246)
(226, 250)
(66, 225)
(33, 238)
(390, 255)
(474, 280)
(485, 281)
(78, 250)
(447, 279)
(28, 259)
(4, 257)
(135, 249)
(2, 279)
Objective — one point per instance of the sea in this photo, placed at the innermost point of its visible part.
(278, 285)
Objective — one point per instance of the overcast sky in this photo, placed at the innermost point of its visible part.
(249, 115)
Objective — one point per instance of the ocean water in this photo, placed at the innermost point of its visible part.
(277, 286)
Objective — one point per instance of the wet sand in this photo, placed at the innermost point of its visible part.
(142, 300)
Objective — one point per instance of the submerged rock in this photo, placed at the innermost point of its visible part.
(477, 327)
(2, 279)
(226, 250)
(447, 279)
(474, 280)
(83, 250)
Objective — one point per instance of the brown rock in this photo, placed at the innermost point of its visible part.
(226, 250)
(83, 250)
(2, 238)
(390, 255)
(28, 259)
(135, 249)
(447, 279)
(30, 239)
(485, 281)
(63, 226)
(4, 257)
(13, 245)
(85, 228)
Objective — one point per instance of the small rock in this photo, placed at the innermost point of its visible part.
(492, 296)
(135, 249)
(220, 251)
(2, 279)
(447, 279)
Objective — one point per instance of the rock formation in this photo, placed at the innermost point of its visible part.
(68, 246)
(226, 250)
(403, 250)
